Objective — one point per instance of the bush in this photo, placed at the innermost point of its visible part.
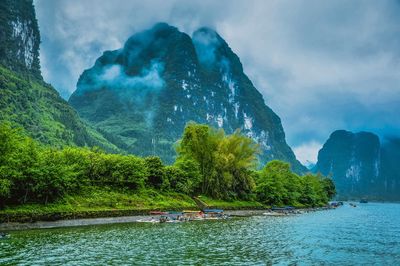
(277, 185)
(156, 172)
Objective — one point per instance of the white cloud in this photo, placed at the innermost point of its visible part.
(321, 65)
(307, 153)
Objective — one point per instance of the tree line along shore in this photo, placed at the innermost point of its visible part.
(38, 182)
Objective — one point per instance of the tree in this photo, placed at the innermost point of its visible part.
(200, 142)
(130, 171)
(313, 193)
(329, 187)
(192, 183)
(225, 162)
(53, 178)
(236, 157)
(5, 189)
(156, 174)
(10, 139)
(271, 186)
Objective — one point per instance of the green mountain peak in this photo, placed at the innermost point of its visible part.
(142, 95)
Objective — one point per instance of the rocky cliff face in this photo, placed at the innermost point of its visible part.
(390, 167)
(19, 37)
(25, 99)
(360, 166)
(142, 95)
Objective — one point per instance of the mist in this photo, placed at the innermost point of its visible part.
(320, 65)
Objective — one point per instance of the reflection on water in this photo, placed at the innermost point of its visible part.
(368, 234)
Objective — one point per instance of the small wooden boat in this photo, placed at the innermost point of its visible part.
(214, 214)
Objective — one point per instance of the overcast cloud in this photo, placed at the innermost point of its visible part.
(321, 65)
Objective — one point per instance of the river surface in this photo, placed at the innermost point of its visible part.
(366, 235)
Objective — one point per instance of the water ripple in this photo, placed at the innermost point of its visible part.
(366, 235)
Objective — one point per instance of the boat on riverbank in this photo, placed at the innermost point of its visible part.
(184, 216)
(214, 214)
(336, 204)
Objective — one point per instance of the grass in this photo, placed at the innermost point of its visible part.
(234, 204)
(104, 202)
(99, 202)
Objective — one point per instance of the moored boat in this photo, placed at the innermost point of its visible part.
(214, 214)
(188, 215)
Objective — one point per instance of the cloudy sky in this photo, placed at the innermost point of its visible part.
(321, 65)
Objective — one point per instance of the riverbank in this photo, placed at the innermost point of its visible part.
(13, 226)
(105, 203)
(111, 206)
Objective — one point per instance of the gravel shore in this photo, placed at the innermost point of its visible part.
(128, 219)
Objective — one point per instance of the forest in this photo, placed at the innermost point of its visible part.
(209, 162)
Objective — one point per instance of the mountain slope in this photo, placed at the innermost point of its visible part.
(25, 99)
(142, 95)
(360, 165)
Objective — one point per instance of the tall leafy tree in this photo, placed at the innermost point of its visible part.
(225, 162)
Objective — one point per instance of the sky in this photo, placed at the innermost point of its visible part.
(320, 65)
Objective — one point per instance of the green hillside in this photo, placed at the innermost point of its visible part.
(43, 114)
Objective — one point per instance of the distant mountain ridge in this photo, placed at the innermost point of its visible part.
(362, 166)
(142, 95)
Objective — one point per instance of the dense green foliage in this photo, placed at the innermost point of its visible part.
(43, 114)
(33, 173)
(277, 185)
(209, 163)
(226, 163)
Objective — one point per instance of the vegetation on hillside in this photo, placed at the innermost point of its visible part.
(209, 163)
(38, 108)
(182, 79)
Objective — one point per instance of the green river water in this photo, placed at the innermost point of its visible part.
(366, 235)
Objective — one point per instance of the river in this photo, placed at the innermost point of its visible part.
(366, 235)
